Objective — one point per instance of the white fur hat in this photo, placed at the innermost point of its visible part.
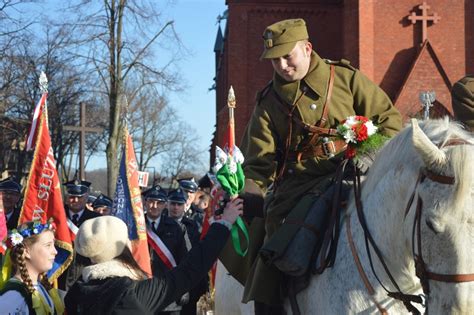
(102, 238)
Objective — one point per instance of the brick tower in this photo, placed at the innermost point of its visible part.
(405, 46)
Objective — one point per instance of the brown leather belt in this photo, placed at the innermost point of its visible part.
(325, 148)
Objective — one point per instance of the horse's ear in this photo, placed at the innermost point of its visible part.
(432, 155)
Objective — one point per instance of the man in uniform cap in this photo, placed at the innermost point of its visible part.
(191, 209)
(176, 207)
(169, 232)
(103, 205)
(463, 101)
(10, 192)
(292, 157)
(77, 193)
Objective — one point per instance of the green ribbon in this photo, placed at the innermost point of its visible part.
(233, 183)
(234, 232)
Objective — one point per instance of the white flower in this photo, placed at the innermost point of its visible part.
(349, 136)
(232, 166)
(238, 156)
(350, 122)
(16, 238)
(371, 128)
(221, 159)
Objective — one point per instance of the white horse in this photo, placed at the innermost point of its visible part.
(445, 152)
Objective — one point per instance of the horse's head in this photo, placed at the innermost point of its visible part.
(444, 208)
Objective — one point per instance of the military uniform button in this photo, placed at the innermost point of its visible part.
(313, 106)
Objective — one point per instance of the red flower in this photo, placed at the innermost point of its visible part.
(350, 152)
(361, 132)
(363, 119)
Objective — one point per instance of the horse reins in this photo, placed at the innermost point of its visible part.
(420, 266)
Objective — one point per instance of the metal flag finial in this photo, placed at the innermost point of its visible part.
(427, 99)
(231, 98)
(43, 82)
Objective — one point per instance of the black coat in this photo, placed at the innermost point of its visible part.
(172, 236)
(12, 223)
(192, 229)
(73, 272)
(122, 295)
(193, 233)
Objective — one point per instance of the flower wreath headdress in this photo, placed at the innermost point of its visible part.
(16, 236)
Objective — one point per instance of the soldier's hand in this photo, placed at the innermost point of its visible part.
(233, 210)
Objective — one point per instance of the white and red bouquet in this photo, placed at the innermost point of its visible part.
(360, 134)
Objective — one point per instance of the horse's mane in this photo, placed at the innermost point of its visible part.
(399, 152)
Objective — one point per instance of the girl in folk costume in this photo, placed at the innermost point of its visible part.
(31, 253)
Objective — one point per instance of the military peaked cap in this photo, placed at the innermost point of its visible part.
(188, 184)
(8, 184)
(177, 195)
(281, 37)
(156, 193)
(102, 201)
(77, 188)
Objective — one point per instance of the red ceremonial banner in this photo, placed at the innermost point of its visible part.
(43, 199)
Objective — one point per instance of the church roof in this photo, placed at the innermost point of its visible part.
(426, 74)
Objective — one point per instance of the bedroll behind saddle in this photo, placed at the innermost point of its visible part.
(299, 239)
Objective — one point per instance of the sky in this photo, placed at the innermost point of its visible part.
(196, 23)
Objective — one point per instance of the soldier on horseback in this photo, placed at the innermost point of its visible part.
(290, 146)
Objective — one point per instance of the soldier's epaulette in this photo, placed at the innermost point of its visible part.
(343, 63)
(261, 94)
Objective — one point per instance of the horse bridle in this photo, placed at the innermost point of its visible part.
(420, 266)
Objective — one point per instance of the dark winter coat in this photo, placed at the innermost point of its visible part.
(108, 288)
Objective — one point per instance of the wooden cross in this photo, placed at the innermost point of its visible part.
(424, 18)
(82, 143)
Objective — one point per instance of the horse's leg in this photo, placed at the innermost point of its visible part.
(228, 295)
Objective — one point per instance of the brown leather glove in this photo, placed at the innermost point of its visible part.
(253, 199)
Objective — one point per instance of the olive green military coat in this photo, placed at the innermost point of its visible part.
(353, 94)
(463, 100)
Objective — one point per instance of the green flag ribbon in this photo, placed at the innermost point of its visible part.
(233, 182)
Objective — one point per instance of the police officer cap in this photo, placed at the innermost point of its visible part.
(102, 201)
(463, 100)
(77, 188)
(91, 199)
(155, 193)
(188, 184)
(8, 184)
(177, 195)
(280, 38)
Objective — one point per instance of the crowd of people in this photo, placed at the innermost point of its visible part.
(102, 251)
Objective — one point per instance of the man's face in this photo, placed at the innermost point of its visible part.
(295, 65)
(76, 203)
(176, 210)
(104, 210)
(9, 198)
(154, 208)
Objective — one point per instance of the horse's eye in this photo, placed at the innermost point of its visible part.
(433, 226)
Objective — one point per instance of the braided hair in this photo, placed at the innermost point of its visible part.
(31, 232)
(18, 265)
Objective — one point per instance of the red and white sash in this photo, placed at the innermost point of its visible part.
(160, 248)
(72, 228)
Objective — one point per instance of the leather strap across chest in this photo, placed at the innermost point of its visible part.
(294, 118)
